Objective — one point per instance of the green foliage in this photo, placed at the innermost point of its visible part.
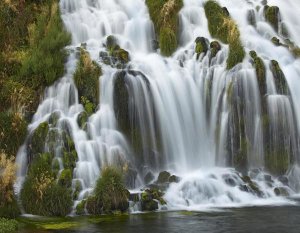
(38, 139)
(80, 208)
(13, 129)
(7, 226)
(45, 64)
(164, 15)
(110, 193)
(41, 195)
(86, 78)
(222, 27)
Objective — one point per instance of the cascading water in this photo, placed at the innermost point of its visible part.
(187, 111)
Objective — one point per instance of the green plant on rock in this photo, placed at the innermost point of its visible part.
(65, 178)
(222, 27)
(86, 78)
(110, 193)
(164, 15)
(279, 78)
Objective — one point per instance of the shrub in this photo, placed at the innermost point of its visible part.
(13, 129)
(41, 195)
(222, 27)
(110, 193)
(45, 64)
(8, 204)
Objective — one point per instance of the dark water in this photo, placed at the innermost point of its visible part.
(253, 220)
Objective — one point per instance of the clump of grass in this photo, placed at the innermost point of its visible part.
(7, 226)
(222, 27)
(164, 14)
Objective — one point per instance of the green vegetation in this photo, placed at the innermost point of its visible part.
(110, 193)
(87, 81)
(8, 226)
(41, 194)
(164, 15)
(32, 41)
(222, 27)
(8, 204)
(279, 78)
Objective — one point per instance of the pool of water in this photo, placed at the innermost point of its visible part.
(251, 219)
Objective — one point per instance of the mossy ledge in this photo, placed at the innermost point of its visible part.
(164, 15)
(86, 78)
(222, 27)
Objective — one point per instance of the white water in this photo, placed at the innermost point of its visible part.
(188, 112)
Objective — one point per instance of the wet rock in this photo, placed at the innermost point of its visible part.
(163, 177)
(135, 197)
(148, 177)
(251, 17)
(150, 199)
(155, 45)
(229, 180)
(268, 178)
(111, 42)
(174, 179)
(54, 117)
(279, 78)
(281, 191)
(260, 72)
(82, 119)
(284, 180)
(201, 46)
(251, 186)
(215, 47)
(225, 11)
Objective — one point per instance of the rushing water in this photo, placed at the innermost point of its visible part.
(184, 109)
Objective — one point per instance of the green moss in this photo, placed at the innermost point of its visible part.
(82, 119)
(163, 177)
(164, 15)
(110, 193)
(77, 190)
(7, 226)
(260, 72)
(279, 78)
(272, 15)
(222, 27)
(86, 78)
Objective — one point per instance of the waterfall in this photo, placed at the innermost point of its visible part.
(192, 116)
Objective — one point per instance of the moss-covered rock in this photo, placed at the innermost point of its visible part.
(260, 72)
(252, 186)
(150, 199)
(37, 141)
(80, 208)
(201, 46)
(281, 191)
(164, 15)
(251, 17)
(86, 78)
(222, 27)
(272, 15)
(215, 47)
(82, 119)
(163, 177)
(77, 189)
(279, 78)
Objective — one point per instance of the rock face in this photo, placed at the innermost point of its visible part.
(272, 15)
